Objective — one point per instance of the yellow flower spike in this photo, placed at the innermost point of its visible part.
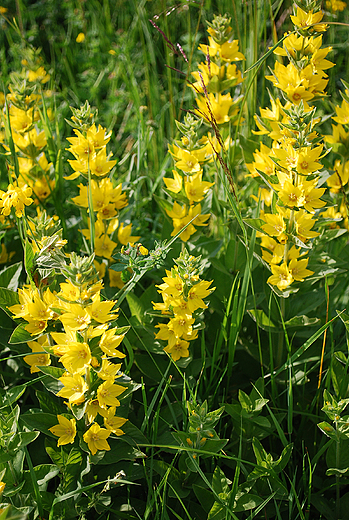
(107, 394)
(76, 358)
(65, 430)
(281, 276)
(74, 388)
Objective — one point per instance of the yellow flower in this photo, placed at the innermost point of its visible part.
(74, 388)
(307, 160)
(196, 188)
(40, 358)
(2, 484)
(340, 178)
(304, 223)
(298, 269)
(80, 38)
(96, 438)
(188, 162)
(76, 319)
(281, 276)
(178, 349)
(124, 235)
(197, 293)
(77, 357)
(108, 370)
(104, 246)
(175, 184)
(303, 20)
(16, 197)
(112, 422)
(107, 394)
(291, 195)
(342, 112)
(99, 311)
(181, 324)
(218, 108)
(275, 225)
(110, 342)
(65, 430)
(92, 409)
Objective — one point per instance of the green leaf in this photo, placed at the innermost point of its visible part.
(10, 396)
(255, 223)
(301, 321)
(7, 299)
(262, 320)
(136, 307)
(21, 335)
(54, 372)
(246, 502)
(22, 439)
(219, 481)
(10, 275)
(29, 263)
(40, 421)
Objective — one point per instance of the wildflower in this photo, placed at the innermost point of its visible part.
(112, 422)
(74, 387)
(65, 430)
(40, 358)
(298, 269)
(107, 394)
(307, 160)
(178, 349)
(76, 358)
(281, 276)
(80, 38)
(96, 438)
(16, 197)
(77, 317)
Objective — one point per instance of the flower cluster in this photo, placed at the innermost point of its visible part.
(218, 74)
(187, 187)
(290, 167)
(99, 196)
(25, 128)
(182, 293)
(76, 328)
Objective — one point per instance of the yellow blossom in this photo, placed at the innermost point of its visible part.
(96, 438)
(65, 430)
(107, 394)
(74, 388)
